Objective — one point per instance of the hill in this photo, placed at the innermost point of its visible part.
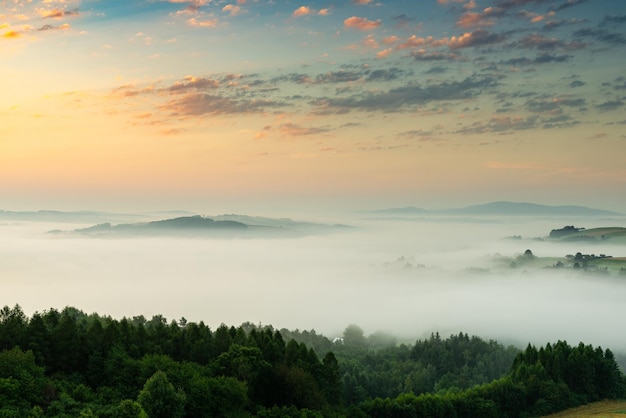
(501, 209)
(614, 235)
(523, 208)
(603, 409)
(218, 226)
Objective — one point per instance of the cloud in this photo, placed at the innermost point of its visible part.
(302, 11)
(370, 42)
(232, 9)
(510, 4)
(471, 19)
(601, 35)
(540, 59)
(533, 17)
(361, 23)
(500, 124)
(610, 105)
(478, 37)
(194, 83)
(390, 40)
(540, 42)
(422, 55)
(337, 77)
(52, 27)
(384, 53)
(577, 83)
(554, 104)
(192, 4)
(210, 23)
(553, 24)
(388, 74)
(568, 4)
(11, 34)
(56, 13)
(293, 129)
(410, 95)
(613, 20)
(198, 104)
(362, 2)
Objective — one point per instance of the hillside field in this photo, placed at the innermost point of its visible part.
(603, 409)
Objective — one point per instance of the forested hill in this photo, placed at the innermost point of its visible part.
(203, 226)
(70, 364)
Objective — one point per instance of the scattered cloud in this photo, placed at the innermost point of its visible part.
(361, 23)
(407, 96)
(209, 23)
(56, 13)
(544, 58)
(479, 37)
(568, 4)
(292, 129)
(577, 83)
(11, 34)
(601, 35)
(194, 83)
(302, 11)
(613, 20)
(199, 104)
(554, 104)
(231, 9)
(610, 105)
(471, 19)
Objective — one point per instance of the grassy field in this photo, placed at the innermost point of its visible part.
(615, 235)
(603, 409)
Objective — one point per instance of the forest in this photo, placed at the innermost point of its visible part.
(71, 364)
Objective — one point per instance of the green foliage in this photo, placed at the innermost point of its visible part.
(69, 364)
(160, 399)
(127, 408)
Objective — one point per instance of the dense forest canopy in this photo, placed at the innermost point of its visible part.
(68, 364)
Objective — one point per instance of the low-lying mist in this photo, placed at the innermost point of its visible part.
(406, 277)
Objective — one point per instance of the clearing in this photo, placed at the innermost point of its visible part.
(602, 409)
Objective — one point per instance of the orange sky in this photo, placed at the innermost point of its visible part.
(178, 105)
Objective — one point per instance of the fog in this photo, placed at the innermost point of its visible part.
(326, 282)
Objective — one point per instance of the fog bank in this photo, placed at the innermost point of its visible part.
(446, 281)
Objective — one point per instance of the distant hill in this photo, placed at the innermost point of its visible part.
(218, 226)
(616, 235)
(503, 209)
(515, 208)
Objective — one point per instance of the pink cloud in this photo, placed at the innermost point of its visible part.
(471, 19)
(361, 23)
(232, 9)
(384, 53)
(390, 40)
(370, 42)
(202, 23)
(302, 11)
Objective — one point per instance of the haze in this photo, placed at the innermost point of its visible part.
(326, 282)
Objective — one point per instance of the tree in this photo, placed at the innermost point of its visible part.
(127, 408)
(353, 335)
(160, 399)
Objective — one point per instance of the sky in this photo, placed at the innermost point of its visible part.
(248, 105)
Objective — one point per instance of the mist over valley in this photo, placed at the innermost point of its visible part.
(408, 276)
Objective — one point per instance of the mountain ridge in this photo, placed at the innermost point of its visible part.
(504, 208)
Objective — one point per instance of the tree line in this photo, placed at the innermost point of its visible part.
(71, 364)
